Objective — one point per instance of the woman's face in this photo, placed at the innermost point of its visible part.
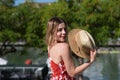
(61, 33)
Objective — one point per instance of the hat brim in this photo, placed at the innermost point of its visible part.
(80, 50)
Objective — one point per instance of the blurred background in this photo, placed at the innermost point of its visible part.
(23, 23)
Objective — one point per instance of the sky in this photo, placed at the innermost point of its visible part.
(17, 2)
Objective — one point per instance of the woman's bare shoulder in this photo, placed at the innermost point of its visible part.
(62, 45)
(63, 49)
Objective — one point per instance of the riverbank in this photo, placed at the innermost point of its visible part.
(108, 50)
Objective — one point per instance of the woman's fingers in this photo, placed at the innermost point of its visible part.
(92, 55)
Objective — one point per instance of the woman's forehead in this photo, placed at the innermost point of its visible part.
(62, 25)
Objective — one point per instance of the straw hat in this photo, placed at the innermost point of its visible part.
(81, 42)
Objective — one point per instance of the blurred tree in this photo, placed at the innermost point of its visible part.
(100, 18)
(7, 3)
(28, 22)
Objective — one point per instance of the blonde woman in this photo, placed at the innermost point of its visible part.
(61, 60)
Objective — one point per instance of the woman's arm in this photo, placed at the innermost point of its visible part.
(69, 63)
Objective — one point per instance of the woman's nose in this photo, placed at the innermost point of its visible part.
(64, 31)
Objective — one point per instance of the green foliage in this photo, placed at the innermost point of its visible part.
(100, 18)
(54, 9)
(7, 3)
(28, 21)
(8, 35)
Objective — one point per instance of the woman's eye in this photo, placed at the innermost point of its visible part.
(59, 30)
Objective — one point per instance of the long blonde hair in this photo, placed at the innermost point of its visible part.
(52, 26)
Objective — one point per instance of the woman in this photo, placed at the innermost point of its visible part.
(61, 61)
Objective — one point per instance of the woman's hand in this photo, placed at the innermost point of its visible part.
(92, 56)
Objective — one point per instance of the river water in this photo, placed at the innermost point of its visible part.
(106, 67)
